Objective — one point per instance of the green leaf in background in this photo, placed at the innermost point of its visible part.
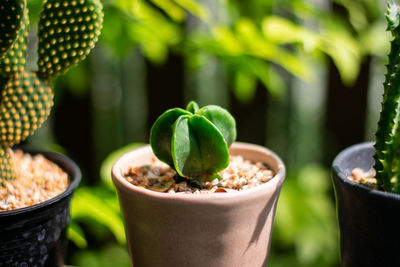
(106, 256)
(172, 9)
(108, 162)
(76, 235)
(257, 45)
(149, 28)
(245, 86)
(281, 31)
(334, 41)
(195, 7)
(94, 205)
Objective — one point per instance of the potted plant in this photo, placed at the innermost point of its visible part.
(34, 206)
(366, 178)
(186, 212)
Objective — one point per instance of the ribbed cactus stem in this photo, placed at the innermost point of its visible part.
(387, 156)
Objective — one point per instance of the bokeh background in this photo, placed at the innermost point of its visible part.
(302, 77)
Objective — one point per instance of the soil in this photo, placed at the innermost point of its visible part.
(364, 178)
(37, 180)
(241, 174)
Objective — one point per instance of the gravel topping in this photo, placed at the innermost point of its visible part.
(364, 178)
(241, 174)
(37, 180)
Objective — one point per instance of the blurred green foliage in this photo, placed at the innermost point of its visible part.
(95, 211)
(306, 220)
(251, 46)
(285, 45)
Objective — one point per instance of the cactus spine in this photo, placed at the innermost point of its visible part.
(68, 30)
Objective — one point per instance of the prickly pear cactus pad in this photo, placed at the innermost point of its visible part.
(15, 58)
(194, 141)
(25, 104)
(11, 12)
(387, 152)
(68, 30)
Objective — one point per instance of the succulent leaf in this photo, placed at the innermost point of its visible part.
(68, 30)
(15, 58)
(195, 142)
(26, 103)
(161, 134)
(192, 107)
(222, 119)
(198, 147)
(11, 12)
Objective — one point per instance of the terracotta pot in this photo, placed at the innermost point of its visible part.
(220, 229)
(34, 235)
(369, 219)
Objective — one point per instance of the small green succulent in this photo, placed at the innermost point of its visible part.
(387, 146)
(68, 30)
(195, 142)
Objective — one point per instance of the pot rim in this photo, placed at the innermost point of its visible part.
(255, 192)
(336, 168)
(66, 164)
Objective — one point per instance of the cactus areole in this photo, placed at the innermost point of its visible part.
(195, 142)
(68, 30)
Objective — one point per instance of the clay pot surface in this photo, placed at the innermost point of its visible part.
(34, 235)
(369, 219)
(220, 229)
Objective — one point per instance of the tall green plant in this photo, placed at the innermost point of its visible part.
(68, 31)
(387, 152)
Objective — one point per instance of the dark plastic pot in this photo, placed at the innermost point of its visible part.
(369, 219)
(33, 236)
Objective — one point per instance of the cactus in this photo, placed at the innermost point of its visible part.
(387, 152)
(68, 30)
(194, 142)
(11, 13)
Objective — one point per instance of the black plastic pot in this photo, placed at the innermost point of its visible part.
(33, 236)
(369, 219)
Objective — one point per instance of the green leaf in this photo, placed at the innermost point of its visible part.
(108, 162)
(87, 204)
(172, 9)
(222, 120)
(76, 235)
(161, 134)
(198, 147)
(192, 107)
(195, 8)
(245, 86)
